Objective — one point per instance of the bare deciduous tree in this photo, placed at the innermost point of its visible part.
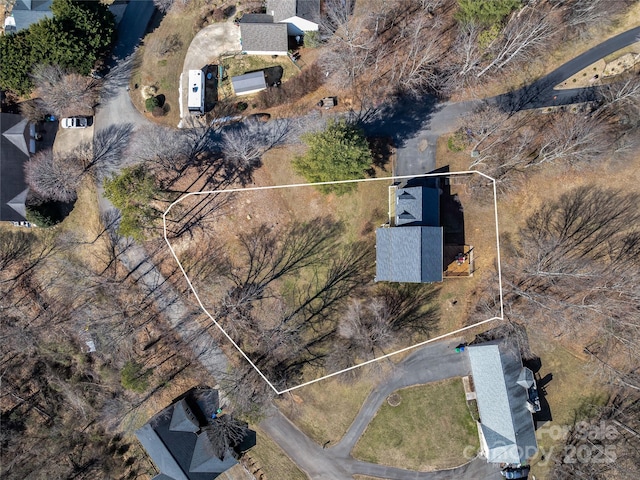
(65, 93)
(225, 433)
(53, 177)
(575, 269)
(524, 35)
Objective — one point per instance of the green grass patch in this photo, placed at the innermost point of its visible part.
(430, 429)
(241, 64)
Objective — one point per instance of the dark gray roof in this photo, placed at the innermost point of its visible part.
(409, 254)
(506, 422)
(309, 10)
(256, 18)
(180, 454)
(264, 37)
(248, 82)
(183, 419)
(204, 459)
(418, 206)
(159, 453)
(27, 12)
(283, 9)
(14, 152)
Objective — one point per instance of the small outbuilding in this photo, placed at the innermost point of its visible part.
(249, 83)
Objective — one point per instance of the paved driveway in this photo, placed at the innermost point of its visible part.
(433, 362)
(205, 49)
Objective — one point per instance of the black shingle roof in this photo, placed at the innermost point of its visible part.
(14, 152)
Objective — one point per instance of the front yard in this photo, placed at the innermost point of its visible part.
(430, 429)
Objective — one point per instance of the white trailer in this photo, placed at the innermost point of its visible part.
(195, 96)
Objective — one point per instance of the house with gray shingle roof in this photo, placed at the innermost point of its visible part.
(300, 15)
(268, 33)
(178, 444)
(503, 386)
(409, 248)
(263, 38)
(27, 12)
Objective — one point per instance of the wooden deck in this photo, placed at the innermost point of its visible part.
(455, 267)
(392, 205)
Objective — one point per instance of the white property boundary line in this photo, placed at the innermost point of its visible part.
(276, 187)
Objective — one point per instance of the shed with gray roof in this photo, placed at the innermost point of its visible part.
(506, 429)
(249, 83)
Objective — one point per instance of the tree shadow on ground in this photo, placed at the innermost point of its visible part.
(109, 145)
(400, 118)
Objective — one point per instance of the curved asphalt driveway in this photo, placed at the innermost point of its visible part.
(206, 48)
(434, 362)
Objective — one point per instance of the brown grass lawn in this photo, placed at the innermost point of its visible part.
(325, 410)
(271, 460)
(429, 430)
(573, 388)
(164, 73)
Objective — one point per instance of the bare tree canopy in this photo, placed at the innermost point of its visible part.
(53, 177)
(575, 267)
(65, 93)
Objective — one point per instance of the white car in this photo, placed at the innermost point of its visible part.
(74, 122)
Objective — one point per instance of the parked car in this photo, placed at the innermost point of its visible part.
(74, 122)
(515, 472)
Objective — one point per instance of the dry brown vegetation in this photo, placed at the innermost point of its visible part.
(61, 404)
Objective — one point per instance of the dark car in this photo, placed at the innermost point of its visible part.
(515, 472)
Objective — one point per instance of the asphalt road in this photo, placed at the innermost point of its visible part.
(416, 125)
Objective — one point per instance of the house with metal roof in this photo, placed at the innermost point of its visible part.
(503, 389)
(179, 445)
(249, 83)
(409, 248)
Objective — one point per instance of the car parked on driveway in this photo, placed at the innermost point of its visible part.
(74, 122)
(521, 472)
